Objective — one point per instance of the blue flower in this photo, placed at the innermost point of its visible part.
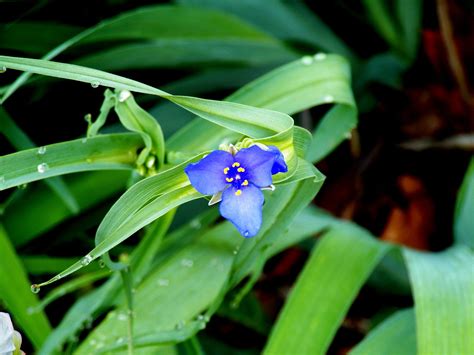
(237, 180)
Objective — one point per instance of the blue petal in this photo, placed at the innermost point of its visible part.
(207, 175)
(279, 166)
(258, 165)
(245, 210)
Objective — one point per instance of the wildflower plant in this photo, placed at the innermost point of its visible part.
(244, 153)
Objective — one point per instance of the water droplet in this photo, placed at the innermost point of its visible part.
(41, 150)
(3, 69)
(35, 288)
(187, 262)
(101, 263)
(163, 282)
(95, 84)
(246, 233)
(320, 56)
(200, 317)
(31, 310)
(120, 341)
(328, 98)
(236, 250)
(179, 325)
(307, 60)
(42, 168)
(86, 260)
(22, 186)
(150, 162)
(202, 325)
(122, 316)
(195, 223)
(124, 95)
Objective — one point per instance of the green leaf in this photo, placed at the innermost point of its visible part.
(443, 285)
(335, 127)
(89, 190)
(39, 265)
(464, 212)
(136, 119)
(157, 22)
(189, 52)
(291, 88)
(15, 292)
(111, 151)
(35, 37)
(287, 20)
(324, 291)
(183, 273)
(394, 336)
(21, 141)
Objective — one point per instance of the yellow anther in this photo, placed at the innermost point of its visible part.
(236, 164)
(229, 179)
(240, 170)
(238, 192)
(226, 170)
(245, 183)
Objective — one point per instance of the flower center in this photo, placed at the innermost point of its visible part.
(236, 175)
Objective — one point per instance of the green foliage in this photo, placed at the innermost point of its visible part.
(123, 179)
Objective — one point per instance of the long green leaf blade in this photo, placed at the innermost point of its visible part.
(112, 151)
(443, 287)
(15, 292)
(464, 212)
(324, 291)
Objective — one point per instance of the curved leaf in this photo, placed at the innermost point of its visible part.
(395, 335)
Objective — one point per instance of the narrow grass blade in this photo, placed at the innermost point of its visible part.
(464, 212)
(324, 291)
(114, 151)
(443, 285)
(21, 141)
(16, 294)
(89, 190)
(156, 22)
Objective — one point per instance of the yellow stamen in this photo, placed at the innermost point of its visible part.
(229, 179)
(226, 170)
(240, 170)
(245, 183)
(236, 164)
(238, 192)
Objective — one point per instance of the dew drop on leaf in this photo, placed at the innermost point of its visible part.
(42, 168)
(86, 260)
(35, 288)
(41, 150)
(320, 56)
(187, 262)
(95, 84)
(328, 98)
(307, 60)
(163, 282)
